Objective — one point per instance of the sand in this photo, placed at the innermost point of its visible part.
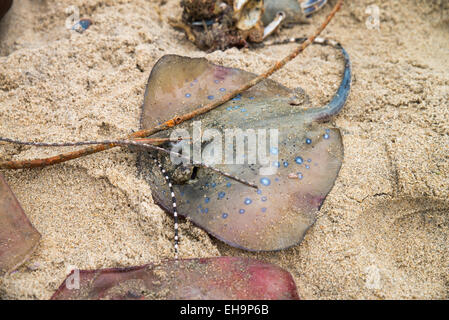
(383, 231)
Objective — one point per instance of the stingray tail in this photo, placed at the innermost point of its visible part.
(338, 101)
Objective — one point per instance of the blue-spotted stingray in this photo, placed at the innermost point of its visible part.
(276, 214)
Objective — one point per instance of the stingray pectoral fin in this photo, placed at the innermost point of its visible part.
(178, 85)
(278, 215)
(18, 237)
(338, 101)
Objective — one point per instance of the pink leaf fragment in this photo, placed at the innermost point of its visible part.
(224, 278)
(18, 237)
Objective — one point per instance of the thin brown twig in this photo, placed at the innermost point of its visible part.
(34, 163)
(136, 143)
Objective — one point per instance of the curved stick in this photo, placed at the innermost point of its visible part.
(142, 143)
(177, 120)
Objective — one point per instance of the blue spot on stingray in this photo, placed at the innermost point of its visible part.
(229, 108)
(206, 200)
(285, 164)
(237, 97)
(216, 81)
(188, 95)
(265, 181)
(307, 166)
(300, 176)
(206, 210)
(277, 164)
(221, 195)
(248, 201)
(328, 130)
(326, 136)
(224, 215)
(206, 185)
(236, 107)
(264, 209)
(309, 160)
(242, 211)
(243, 110)
(299, 160)
(222, 89)
(213, 185)
(252, 98)
(264, 199)
(228, 184)
(259, 191)
(274, 150)
(308, 141)
(210, 97)
(276, 179)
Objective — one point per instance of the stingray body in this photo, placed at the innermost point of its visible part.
(223, 278)
(292, 185)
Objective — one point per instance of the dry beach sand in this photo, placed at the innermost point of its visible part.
(383, 231)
